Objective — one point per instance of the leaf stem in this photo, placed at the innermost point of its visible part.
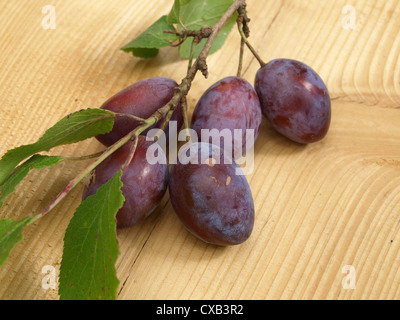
(251, 48)
(87, 157)
(131, 154)
(185, 119)
(130, 116)
(240, 65)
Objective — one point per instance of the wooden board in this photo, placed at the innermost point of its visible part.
(319, 208)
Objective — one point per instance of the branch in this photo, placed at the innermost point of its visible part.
(200, 64)
(197, 35)
(157, 116)
(179, 95)
(242, 23)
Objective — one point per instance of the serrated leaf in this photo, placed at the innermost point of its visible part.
(10, 235)
(146, 45)
(73, 128)
(197, 14)
(35, 162)
(87, 269)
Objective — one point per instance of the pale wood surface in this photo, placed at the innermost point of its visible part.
(318, 208)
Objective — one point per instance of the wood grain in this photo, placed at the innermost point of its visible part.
(318, 208)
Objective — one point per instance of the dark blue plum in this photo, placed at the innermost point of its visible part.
(141, 99)
(144, 184)
(230, 103)
(294, 99)
(210, 197)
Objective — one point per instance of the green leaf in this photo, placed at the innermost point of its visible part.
(184, 49)
(173, 16)
(197, 14)
(145, 52)
(186, 15)
(87, 269)
(10, 235)
(73, 128)
(36, 162)
(146, 45)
